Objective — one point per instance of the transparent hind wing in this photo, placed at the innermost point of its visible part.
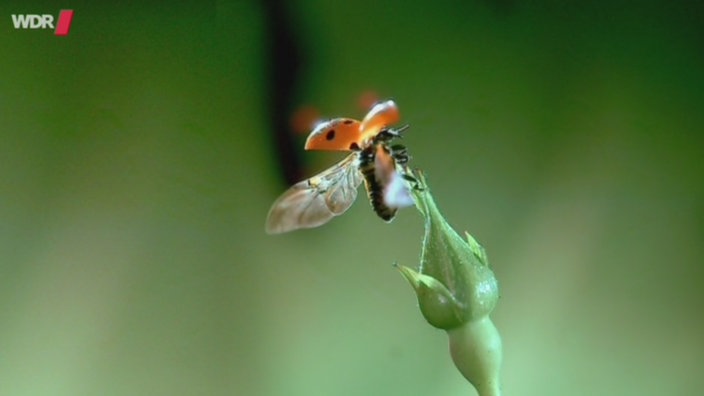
(313, 202)
(342, 183)
(299, 207)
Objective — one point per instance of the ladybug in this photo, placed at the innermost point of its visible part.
(374, 160)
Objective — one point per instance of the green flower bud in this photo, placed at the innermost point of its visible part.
(456, 292)
(454, 283)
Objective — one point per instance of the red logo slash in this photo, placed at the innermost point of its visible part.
(64, 23)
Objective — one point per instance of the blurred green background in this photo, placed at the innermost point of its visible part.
(137, 167)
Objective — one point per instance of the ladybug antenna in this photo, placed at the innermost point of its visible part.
(398, 131)
(387, 134)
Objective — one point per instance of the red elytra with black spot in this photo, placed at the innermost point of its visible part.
(347, 134)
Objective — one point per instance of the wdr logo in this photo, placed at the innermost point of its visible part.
(46, 21)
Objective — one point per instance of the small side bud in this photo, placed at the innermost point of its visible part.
(439, 307)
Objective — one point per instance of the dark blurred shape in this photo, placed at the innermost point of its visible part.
(284, 62)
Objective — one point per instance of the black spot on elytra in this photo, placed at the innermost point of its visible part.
(347, 122)
(354, 146)
(330, 135)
